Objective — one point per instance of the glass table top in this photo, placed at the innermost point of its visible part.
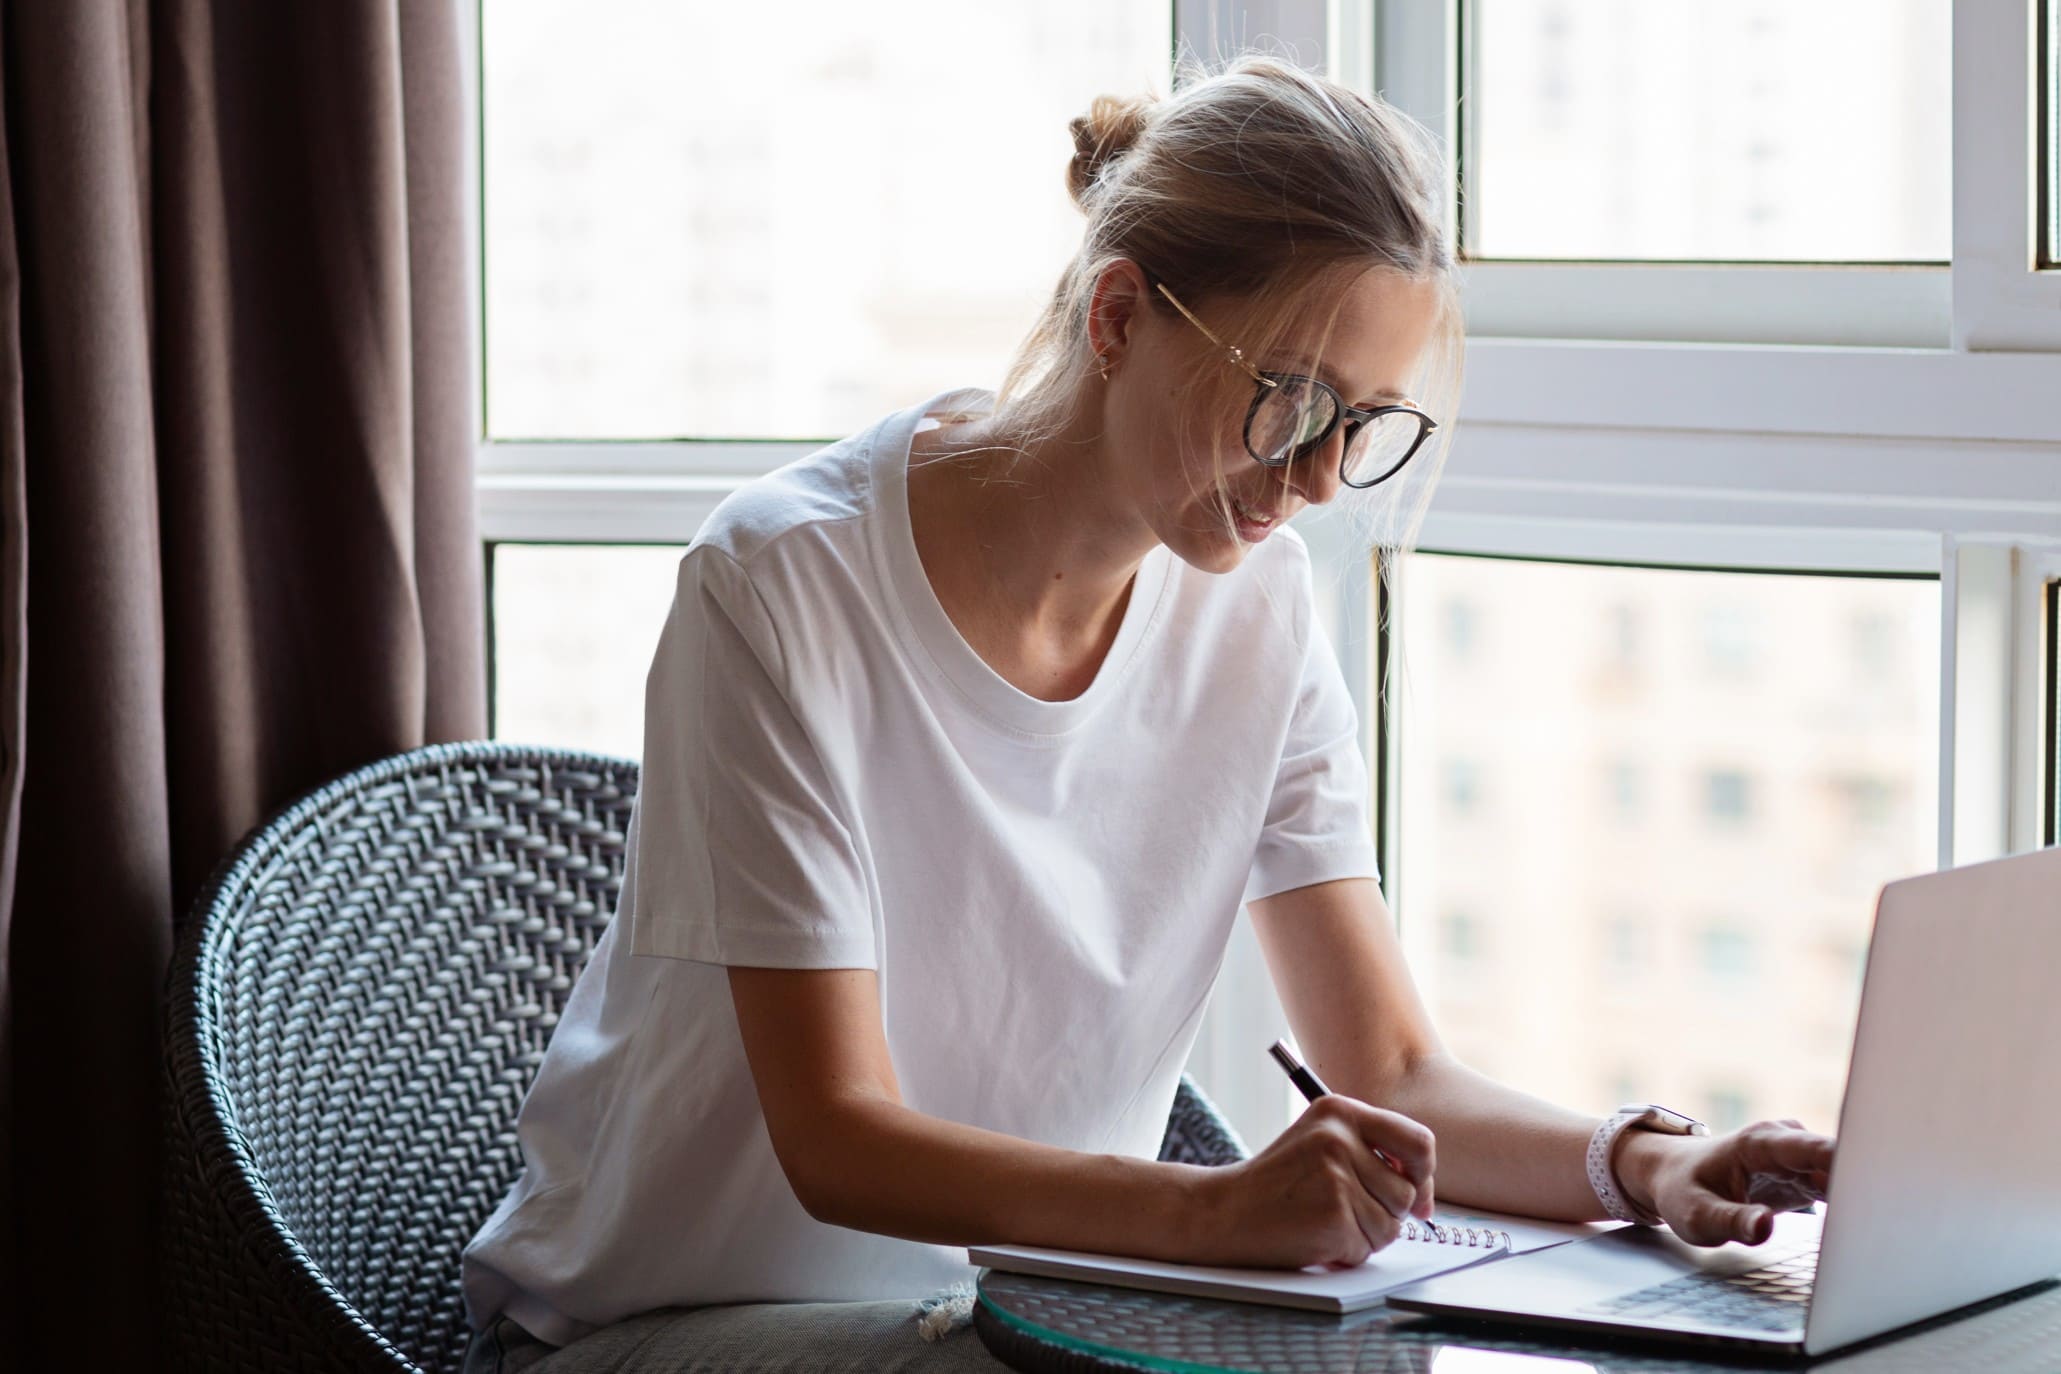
(1037, 1323)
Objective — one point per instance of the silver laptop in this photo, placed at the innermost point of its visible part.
(1946, 1183)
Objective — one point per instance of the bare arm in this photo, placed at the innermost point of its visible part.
(856, 1156)
(1332, 951)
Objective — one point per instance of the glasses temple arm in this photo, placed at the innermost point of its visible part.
(1237, 354)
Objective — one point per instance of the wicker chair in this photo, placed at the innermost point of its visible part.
(355, 1009)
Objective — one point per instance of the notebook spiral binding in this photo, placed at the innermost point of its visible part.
(1434, 1234)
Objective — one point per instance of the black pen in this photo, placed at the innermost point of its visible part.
(1313, 1088)
(1298, 1072)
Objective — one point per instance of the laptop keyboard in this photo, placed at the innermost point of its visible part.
(1773, 1297)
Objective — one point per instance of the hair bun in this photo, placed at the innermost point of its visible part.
(1109, 128)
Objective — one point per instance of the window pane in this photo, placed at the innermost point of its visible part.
(728, 221)
(1755, 130)
(1645, 815)
(574, 628)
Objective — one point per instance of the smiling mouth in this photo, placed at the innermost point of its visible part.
(1250, 520)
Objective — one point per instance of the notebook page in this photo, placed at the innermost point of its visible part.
(1338, 1290)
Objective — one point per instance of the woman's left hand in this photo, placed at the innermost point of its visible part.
(1710, 1190)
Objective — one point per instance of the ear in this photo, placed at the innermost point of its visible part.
(1118, 301)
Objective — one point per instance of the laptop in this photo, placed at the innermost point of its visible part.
(1945, 1187)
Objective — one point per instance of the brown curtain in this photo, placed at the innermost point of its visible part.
(240, 552)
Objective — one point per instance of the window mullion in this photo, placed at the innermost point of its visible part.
(1991, 684)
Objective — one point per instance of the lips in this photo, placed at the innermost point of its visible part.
(1252, 526)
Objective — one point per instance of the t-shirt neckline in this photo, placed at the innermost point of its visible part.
(931, 636)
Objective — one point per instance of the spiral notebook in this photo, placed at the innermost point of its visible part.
(1450, 1241)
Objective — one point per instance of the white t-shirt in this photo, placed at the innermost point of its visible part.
(833, 778)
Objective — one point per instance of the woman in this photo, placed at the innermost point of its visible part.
(966, 739)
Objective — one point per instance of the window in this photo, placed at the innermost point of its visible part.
(1758, 130)
(638, 362)
(1725, 952)
(1462, 936)
(1462, 627)
(1867, 802)
(694, 231)
(1627, 790)
(1627, 941)
(1463, 786)
(1727, 796)
(1709, 921)
(1727, 1109)
(573, 629)
(1728, 639)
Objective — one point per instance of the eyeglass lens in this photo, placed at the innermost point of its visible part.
(1298, 413)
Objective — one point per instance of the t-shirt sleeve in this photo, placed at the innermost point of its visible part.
(743, 854)
(1317, 827)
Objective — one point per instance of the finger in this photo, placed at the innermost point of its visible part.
(1408, 1144)
(1789, 1152)
(1378, 1223)
(1748, 1224)
(1382, 1184)
(1715, 1222)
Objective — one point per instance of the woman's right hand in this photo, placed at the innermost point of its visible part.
(1320, 1194)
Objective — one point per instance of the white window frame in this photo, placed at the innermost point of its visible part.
(1810, 447)
(1989, 297)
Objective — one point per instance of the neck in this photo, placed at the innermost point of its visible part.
(1030, 536)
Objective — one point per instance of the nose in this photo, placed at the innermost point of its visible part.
(1316, 476)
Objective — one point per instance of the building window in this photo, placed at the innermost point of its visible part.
(1628, 945)
(1728, 644)
(1625, 632)
(1462, 624)
(1869, 803)
(1725, 952)
(1726, 1109)
(1461, 937)
(1462, 786)
(1727, 796)
(1627, 790)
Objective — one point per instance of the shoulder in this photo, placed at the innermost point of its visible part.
(784, 558)
(829, 487)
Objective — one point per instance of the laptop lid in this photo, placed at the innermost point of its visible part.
(1944, 1188)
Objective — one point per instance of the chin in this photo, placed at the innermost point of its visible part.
(1211, 551)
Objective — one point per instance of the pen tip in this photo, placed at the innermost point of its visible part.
(1284, 1056)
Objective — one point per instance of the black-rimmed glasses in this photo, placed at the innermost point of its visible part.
(1291, 417)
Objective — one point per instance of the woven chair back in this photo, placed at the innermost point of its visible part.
(363, 998)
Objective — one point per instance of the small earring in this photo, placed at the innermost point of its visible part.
(1102, 362)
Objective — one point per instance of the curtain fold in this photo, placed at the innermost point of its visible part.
(240, 551)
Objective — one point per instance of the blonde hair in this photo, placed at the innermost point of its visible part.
(1253, 192)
